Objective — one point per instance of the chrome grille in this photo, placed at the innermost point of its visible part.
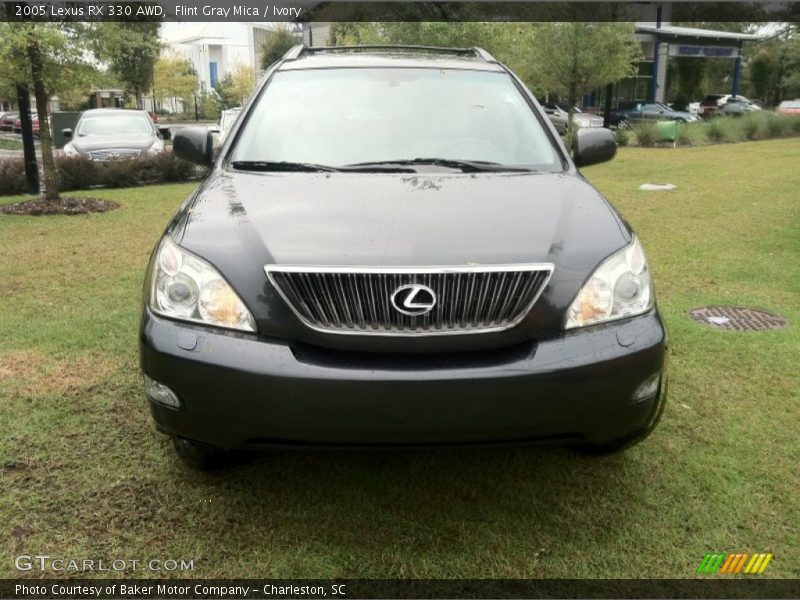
(358, 300)
(113, 154)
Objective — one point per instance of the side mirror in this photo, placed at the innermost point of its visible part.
(67, 133)
(164, 133)
(194, 144)
(593, 145)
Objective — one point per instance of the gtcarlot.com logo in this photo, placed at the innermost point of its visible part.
(734, 563)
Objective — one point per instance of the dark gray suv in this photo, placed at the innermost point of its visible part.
(394, 247)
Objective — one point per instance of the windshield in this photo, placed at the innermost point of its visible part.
(341, 117)
(115, 124)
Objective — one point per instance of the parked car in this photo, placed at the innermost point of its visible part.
(692, 107)
(113, 133)
(392, 248)
(651, 111)
(710, 103)
(733, 106)
(17, 128)
(788, 107)
(559, 117)
(226, 120)
(7, 121)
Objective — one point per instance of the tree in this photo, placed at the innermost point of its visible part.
(51, 57)
(131, 50)
(243, 80)
(574, 58)
(276, 46)
(174, 78)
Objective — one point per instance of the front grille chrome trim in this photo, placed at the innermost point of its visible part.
(334, 299)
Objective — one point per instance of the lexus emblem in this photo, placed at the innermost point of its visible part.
(414, 299)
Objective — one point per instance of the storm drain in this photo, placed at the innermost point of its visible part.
(736, 318)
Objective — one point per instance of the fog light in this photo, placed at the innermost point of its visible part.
(647, 388)
(158, 392)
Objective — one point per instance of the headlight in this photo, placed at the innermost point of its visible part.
(186, 287)
(620, 287)
(69, 150)
(156, 148)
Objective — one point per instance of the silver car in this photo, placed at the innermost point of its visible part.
(113, 133)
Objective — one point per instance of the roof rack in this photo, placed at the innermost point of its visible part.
(301, 49)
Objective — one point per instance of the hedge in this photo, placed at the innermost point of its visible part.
(757, 125)
(78, 173)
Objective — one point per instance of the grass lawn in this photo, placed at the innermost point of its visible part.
(10, 144)
(84, 474)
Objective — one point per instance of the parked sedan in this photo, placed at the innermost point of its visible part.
(653, 111)
(559, 118)
(788, 107)
(734, 106)
(113, 133)
(17, 127)
(7, 121)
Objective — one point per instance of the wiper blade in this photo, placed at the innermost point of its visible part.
(265, 165)
(467, 166)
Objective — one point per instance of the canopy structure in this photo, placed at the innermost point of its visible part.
(669, 40)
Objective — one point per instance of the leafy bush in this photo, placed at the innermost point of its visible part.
(691, 134)
(78, 173)
(12, 177)
(717, 129)
(646, 134)
(752, 126)
(622, 136)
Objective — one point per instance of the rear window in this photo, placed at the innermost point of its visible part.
(340, 117)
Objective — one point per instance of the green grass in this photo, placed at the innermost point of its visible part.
(10, 144)
(84, 474)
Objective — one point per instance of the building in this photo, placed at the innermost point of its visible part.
(217, 49)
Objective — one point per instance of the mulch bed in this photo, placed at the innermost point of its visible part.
(65, 206)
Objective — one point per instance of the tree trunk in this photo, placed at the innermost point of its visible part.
(45, 139)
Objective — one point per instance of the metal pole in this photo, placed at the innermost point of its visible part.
(737, 69)
(28, 147)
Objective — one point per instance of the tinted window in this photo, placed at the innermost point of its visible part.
(346, 116)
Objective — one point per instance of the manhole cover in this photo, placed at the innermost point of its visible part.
(735, 318)
(657, 187)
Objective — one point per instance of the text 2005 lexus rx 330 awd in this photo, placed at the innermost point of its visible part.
(393, 247)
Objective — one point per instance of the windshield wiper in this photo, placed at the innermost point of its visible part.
(265, 165)
(466, 166)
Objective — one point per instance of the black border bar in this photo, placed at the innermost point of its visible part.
(393, 10)
(261, 589)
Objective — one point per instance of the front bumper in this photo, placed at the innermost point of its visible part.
(240, 391)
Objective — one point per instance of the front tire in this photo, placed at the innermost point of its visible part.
(199, 457)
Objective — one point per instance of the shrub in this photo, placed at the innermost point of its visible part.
(778, 125)
(168, 168)
(715, 130)
(752, 125)
(646, 134)
(691, 134)
(622, 136)
(78, 173)
(12, 177)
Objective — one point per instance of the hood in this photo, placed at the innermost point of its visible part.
(90, 143)
(241, 222)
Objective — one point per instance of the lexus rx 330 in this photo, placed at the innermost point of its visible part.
(394, 247)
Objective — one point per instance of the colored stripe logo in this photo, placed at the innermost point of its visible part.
(735, 563)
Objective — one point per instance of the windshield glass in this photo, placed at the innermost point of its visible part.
(340, 117)
(115, 125)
